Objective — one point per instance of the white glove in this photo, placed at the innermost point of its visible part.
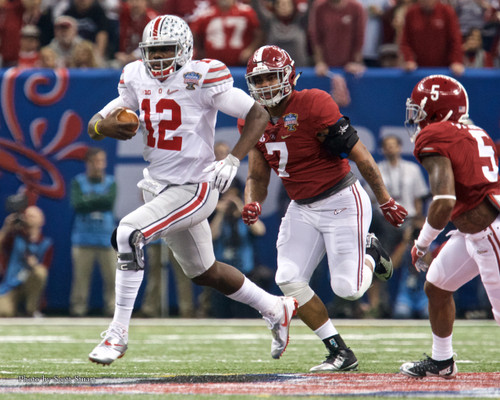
(223, 173)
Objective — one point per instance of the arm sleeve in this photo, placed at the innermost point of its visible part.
(234, 102)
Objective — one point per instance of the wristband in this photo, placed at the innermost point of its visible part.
(95, 127)
(444, 196)
(427, 235)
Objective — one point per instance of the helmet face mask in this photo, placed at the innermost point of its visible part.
(163, 32)
(265, 62)
(436, 98)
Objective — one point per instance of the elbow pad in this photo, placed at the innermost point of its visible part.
(341, 138)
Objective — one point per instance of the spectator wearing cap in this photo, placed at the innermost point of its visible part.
(65, 38)
(16, 14)
(29, 49)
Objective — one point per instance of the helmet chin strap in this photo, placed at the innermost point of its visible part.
(448, 116)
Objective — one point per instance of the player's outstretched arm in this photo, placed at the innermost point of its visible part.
(255, 124)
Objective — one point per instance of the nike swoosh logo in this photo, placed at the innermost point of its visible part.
(172, 91)
(286, 317)
(111, 344)
(338, 210)
(284, 137)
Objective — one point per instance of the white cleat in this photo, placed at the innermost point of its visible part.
(279, 323)
(112, 347)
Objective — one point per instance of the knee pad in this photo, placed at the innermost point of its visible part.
(133, 261)
(344, 288)
(300, 290)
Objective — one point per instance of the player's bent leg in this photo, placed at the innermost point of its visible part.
(346, 288)
(276, 311)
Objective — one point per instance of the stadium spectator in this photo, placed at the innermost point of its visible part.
(29, 50)
(92, 24)
(393, 21)
(65, 38)
(472, 14)
(373, 33)
(93, 195)
(307, 143)
(474, 54)
(49, 58)
(430, 21)
(337, 31)
(286, 27)
(466, 191)
(181, 187)
(27, 256)
(234, 242)
(16, 14)
(84, 56)
(405, 181)
(229, 31)
(186, 9)
(134, 16)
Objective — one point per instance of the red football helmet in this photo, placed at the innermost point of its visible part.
(266, 60)
(436, 98)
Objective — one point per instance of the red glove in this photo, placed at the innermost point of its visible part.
(416, 258)
(250, 213)
(394, 212)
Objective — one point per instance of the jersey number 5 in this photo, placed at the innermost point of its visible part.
(172, 110)
(486, 151)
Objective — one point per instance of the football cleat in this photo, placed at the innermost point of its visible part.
(446, 369)
(383, 264)
(338, 360)
(112, 347)
(279, 323)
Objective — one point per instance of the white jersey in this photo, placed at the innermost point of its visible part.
(177, 117)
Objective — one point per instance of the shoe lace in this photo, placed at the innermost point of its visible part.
(114, 332)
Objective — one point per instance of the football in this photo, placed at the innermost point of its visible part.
(127, 115)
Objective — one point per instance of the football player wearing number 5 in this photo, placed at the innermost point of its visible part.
(308, 143)
(462, 164)
(178, 100)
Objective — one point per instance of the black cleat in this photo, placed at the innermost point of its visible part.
(446, 369)
(383, 265)
(338, 360)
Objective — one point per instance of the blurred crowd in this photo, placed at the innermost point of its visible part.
(350, 34)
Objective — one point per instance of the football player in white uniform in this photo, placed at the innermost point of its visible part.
(178, 99)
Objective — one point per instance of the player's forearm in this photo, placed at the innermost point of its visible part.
(370, 172)
(255, 124)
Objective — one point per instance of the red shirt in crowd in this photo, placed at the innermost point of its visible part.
(432, 39)
(132, 26)
(338, 30)
(226, 33)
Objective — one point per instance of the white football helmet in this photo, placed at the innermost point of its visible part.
(166, 30)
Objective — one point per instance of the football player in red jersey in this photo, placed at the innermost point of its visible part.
(463, 172)
(308, 143)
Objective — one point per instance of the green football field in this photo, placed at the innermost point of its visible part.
(53, 351)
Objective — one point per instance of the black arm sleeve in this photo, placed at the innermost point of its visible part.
(341, 138)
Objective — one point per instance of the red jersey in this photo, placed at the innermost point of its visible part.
(226, 34)
(439, 27)
(473, 158)
(292, 150)
(132, 26)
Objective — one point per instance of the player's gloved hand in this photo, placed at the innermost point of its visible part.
(394, 212)
(417, 253)
(251, 212)
(223, 173)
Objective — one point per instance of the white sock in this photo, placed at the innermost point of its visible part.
(442, 348)
(127, 286)
(256, 297)
(326, 330)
